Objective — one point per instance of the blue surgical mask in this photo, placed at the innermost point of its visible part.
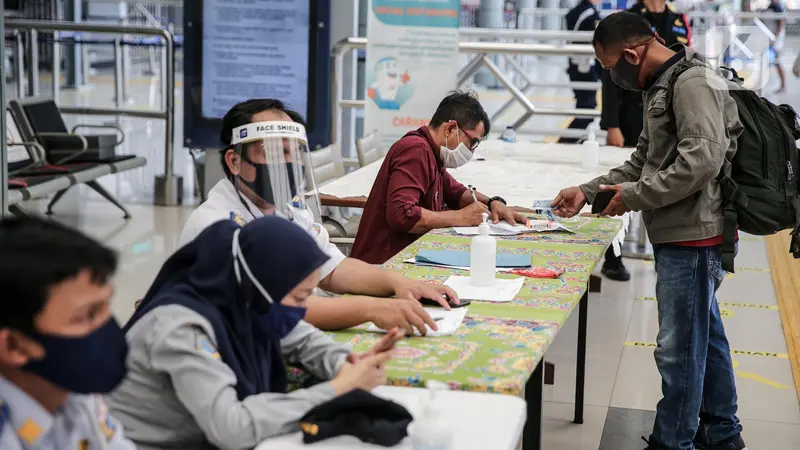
(276, 320)
(91, 364)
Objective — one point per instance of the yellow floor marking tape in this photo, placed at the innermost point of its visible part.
(786, 280)
(756, 377)
(727, 304)
(565, 124)
(733, 352)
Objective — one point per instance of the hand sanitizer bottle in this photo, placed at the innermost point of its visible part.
(590, 154)
(431, 431)
(483, 256)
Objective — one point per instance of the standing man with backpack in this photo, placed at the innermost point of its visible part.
(621, 110)
(671, 177)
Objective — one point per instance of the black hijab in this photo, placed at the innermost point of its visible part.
(202, 276)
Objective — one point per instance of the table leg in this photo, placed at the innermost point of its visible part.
(532, 434)
(580, 371)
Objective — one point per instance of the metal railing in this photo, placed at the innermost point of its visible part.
(482, 50)
(167, 196)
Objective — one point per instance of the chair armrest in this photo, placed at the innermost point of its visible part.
(83, 143)
(31, 145)
(112, 126)
(339, 228)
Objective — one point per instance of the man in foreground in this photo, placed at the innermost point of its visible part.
(671, 178)
(413, 193)
(59, 346)
(265, 176)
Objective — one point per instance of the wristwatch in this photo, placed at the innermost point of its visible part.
(499, 199)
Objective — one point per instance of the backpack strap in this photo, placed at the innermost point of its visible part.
(794, 245)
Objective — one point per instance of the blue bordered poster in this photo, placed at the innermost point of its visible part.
(412, 62)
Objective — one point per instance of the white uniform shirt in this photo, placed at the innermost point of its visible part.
(223, 203)
(83, 423)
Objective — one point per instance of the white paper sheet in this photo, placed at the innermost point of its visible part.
(506, 229)
(414, 261)
(448, 322)
(504, 290)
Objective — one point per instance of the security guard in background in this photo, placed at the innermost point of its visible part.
(623, 111)
(60, 349)
(583, 17)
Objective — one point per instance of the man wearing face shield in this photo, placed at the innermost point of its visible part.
(264, 153)
(413, 193)
(672, 178)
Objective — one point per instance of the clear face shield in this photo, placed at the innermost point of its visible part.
(273, 157)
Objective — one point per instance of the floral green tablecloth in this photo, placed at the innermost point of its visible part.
(499, 344)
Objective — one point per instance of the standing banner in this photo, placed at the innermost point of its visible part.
(412, 63)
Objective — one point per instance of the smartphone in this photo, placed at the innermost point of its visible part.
(601, 201)
(429, 302)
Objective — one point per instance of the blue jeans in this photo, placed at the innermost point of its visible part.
(693, 355)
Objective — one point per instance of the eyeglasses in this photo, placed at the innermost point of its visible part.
(474, 142)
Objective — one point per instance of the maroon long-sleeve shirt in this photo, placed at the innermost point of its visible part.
(411, 178)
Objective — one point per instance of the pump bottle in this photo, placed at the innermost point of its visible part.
(590, 156)
(430, 431)
(483, 256)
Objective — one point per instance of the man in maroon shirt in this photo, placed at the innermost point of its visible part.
(413, 192)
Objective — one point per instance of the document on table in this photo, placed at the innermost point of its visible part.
(506, 229)
(504, 290)
(447, 258)
(447, 322)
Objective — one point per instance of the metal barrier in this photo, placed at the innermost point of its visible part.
(168, 186)
(482, 49)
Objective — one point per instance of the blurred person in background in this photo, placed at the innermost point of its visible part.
(778, 28)
(583, 17)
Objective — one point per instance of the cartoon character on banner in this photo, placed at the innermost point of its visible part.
(390, 86)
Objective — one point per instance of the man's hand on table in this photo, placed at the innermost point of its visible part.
(404, 313)
(616, 207)
(417, 290)
(502, 212)
(471, 215)
(569, 202)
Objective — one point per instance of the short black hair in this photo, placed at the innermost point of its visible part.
(35, 256)
(464, 108)
(622, 29)
(242, 114)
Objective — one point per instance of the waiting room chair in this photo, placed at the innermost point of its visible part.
(370, 148)
(326, 165)
(84, 158)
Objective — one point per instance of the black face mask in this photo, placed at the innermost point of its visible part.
(625, 74)
(262, 185)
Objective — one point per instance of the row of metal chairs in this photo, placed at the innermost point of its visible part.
(328, 165)
(44, 158)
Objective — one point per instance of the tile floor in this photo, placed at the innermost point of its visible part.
(622, 385)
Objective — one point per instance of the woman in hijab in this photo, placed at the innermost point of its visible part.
(208, 342)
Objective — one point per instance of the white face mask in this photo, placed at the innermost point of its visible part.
(457, 157)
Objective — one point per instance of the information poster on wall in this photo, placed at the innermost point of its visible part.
(254, 49)
(412, 63)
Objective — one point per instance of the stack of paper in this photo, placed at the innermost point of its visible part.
(502, 291)
(447, 322)
(506, 229)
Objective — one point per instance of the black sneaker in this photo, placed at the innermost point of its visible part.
(651, 445)
(616, 272)
(732, 443)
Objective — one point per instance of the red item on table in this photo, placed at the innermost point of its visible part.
(538, 272)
